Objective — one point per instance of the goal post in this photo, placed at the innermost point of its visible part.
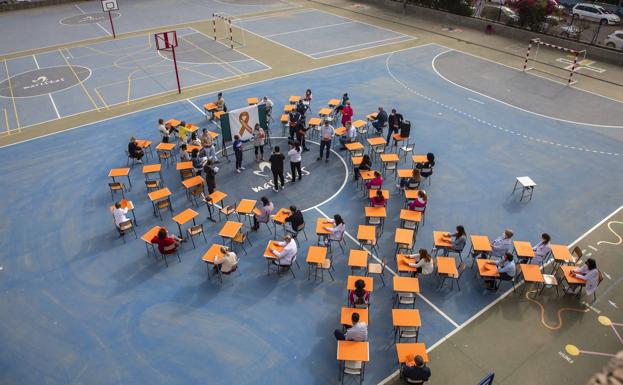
(571, 64)
(224, 31)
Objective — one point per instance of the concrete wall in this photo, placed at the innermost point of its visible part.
(596, 52)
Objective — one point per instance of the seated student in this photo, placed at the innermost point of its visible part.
(378, 200)
(424, 262)
(365, 165)
(506, 268)
(501, 245)
(414, 370)
(411, 183)
(360, 297)
(184, 155)
(350, 135)
(135, 150)
(337, 230)
(426, 168)
(381, 121)
(376, 182)
(208, 146)
(458, 240)
(163, 131)
(198, 162)
(264, 216)
(164, 239)
(541, 249)
(587, 272)
(220, 102)
(295, 219)
(119, 214)
(286, 257)
(228, 263)
(183, 132)
(357, 332)
(194, 141)
(419, 203)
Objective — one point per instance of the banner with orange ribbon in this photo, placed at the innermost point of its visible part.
(242, 121)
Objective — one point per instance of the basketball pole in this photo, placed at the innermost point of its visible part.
(112, 26)
(177, 75)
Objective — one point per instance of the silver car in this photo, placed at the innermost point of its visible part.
(615, 39)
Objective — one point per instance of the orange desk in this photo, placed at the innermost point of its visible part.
(410, 216)
(402, 262)
(284, 119)
(314, 122)
(152, 168)
(372, 116)
(480, 244)
(268, 254)
(340, 131)
(191, 147)
(406, 285)
(347, 313)
(375, 212)
(192, 182)
(405, 350)
(180, 166)
(288, 108)
(354, 147)
(246, 206)
(353, 351)
(316, 255)
(523, 249)
(487, 269)
(359, 123)
(213, 253)
(410, 195)
(294, 99)
(404, 237)
(389, 158)
(184, 217)
(334, 102)
(357, 259)
(212, 200)
(325, 111)
(372, 193)
(446, 266)
(532, 274)
(173, 122)
(252, 101)
(376, 141)
(418, 159)
(209, 108)
(570, 278)
(562, 254)
(148, 236)
(229, 231)
(119, 172)
(350, 284)
(366, 234)
(280, 218)
(157, 195)
(405, 173)
(165, 146)
(440, 240)
(321, 223)
(406, 317)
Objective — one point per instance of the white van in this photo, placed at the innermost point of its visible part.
(595, 13)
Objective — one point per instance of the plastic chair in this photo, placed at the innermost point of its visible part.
(152, 185)
(116, 187)
(196, 230)
(168, 250)
(240, 238)
(577, 253)
(131, 160)
(124, 227)
(378, 269)
(227, 211)
(326, 265)
(353, 368)
(163, 204)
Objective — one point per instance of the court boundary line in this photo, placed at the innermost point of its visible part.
(8, 77)
(296, 11)
(514, 106)
(393, 375)
(409, 38)
(362, 22)
(308, 29)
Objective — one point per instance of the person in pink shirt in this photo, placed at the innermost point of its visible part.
(377, 181)
(419, 204)
(347, 113)
(378, 200)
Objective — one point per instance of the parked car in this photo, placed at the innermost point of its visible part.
(615, 39)
(570, 31)
(595, 13)
(499, 13)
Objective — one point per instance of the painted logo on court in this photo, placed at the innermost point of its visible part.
(265, 172)
(43, 81)
(88, 18)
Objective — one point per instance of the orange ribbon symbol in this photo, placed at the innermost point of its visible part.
(244, 123)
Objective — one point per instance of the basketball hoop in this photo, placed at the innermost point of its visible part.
(167, 41)
(109, 6)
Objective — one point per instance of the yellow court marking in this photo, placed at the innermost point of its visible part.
(158, 64)
(79, 81)
(586, 62)
(8, 76)
(558, 313)
(572, 350)
(604, 320)
(6, 119)
(101, 98)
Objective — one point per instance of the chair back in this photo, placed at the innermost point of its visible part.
(115, 185)
(194, 230)
(578, 253)
(163, 204)
(152, 183)
(127, 225)
(301, 227)
(170, 248)
(240, 237)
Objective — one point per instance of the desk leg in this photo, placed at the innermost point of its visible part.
(210, 213)
(180, 228)
(515, 187)
(208, 268)
(130, 182)
(134, 216)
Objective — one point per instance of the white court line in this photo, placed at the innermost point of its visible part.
(36, 62)
(98, 24)
(374, 45)
(309, 29)
(429, 302)
(493, 303)
(54, 105)
(275, 42)
(206, 94)
(516, 107)
(274, 15)
(363, 22)
(475, 101)
(196, 106)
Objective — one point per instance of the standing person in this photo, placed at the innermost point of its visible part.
(327, 132)
(208, 145)
(339, 108)
(198, 162)
(365, 165)
(301, 131)
(163, 131)
(381, 120)
(268, 105)
(183, 132)
(350, 135)
(295, 160)
(238, 153)
(210, 171)
(541, 249)
(135, 151)
(301, 108)
(307, 98)
(259, 138)
(276, 165)
(264, 216)
(347, 113)
(293, 118)
(395, 120)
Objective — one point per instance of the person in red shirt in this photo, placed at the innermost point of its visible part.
(378, 200)
(347, 113)
(164, 239)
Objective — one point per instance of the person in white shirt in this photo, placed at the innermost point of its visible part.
(268, 105)
(228, 263)
(288, 255)
(587, 272)
(119, 214)
(506, 269)
(337, 230)
(424, 262)
(357, 332)
(500, 245)
(295, 160)
(350, 136)
(163, 131)
(327, 132)
(207, 143)
(541, 249)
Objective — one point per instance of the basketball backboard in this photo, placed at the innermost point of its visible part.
(166, 40)
(110, 5)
